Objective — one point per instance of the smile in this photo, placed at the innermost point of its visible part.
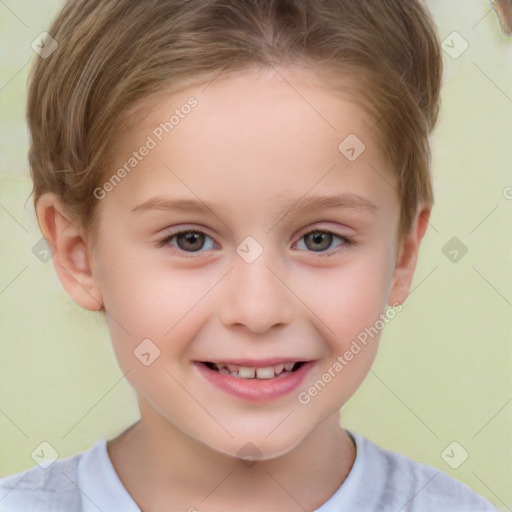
(255, 381)
(259, 372)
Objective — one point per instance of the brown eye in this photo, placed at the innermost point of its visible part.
(190, 241)
(318, 240)
(321, 241)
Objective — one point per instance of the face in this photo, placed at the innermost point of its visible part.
(242, 256)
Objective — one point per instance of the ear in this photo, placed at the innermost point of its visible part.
(407, 259)
(72, 256)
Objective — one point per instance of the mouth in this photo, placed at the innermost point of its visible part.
(255, 381)
(280, 370)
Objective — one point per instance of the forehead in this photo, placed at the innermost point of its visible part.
(274, 132)
(259, 101)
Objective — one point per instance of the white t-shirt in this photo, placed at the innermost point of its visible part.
(379, 481)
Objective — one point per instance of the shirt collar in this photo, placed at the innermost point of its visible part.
(100, 486)
(102, 490)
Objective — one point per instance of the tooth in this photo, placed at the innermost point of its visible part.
(265, 373)
(246, 373)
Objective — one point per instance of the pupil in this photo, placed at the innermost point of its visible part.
(194, 241)
(323, 240)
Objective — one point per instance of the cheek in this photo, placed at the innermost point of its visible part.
(354, 308)
(147, 299)
(350, 304)
(349, 298)
(142, 291)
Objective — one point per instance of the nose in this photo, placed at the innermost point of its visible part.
(255, 295)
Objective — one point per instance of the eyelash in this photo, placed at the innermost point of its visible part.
(347, 242)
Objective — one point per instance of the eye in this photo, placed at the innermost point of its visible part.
(320, 240)
(193, 241)
(187, 241)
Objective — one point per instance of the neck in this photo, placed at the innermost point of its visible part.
(160, 465)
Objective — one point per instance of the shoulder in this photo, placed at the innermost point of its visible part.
(417, 487)
(38, 489)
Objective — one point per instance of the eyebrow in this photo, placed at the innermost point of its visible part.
(346, 200)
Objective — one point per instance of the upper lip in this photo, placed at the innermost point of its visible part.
(258, 363)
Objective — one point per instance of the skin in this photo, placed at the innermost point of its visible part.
(252, 144)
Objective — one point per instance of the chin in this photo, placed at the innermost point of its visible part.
(259, 448)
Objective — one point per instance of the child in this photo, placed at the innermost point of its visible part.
(253, 130)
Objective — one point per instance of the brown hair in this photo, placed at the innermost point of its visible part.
(113, 54)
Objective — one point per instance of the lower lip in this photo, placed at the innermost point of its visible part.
(256, 390)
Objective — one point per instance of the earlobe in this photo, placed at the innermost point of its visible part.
(407, 259)
(71, 259)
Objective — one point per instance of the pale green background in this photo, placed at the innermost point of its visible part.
(444, 370)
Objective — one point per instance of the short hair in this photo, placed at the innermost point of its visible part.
(113, 54)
